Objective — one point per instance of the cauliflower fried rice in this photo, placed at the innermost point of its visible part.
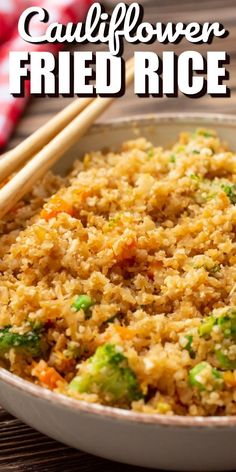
(118, 282)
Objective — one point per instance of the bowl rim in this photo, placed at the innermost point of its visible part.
(152, 118)
(107, 412)
(112, 413)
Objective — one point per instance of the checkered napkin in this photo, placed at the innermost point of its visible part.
(62, 11)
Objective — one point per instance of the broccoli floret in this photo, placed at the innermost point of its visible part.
(204, 133)
(224, 361)
(150, 153)
(205, 377)
(226, 323)
(108, 374)
(30, 342)
(187, 343)
(73, 351)
(206, 327)
(230, 191)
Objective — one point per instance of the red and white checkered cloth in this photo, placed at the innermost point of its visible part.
(62, 11)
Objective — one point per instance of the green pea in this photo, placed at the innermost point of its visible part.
(83, 302)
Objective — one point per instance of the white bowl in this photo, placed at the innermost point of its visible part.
(155, 441)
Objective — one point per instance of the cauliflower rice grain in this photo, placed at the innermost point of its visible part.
(117, 283)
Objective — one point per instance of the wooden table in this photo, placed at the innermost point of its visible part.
(22, 448)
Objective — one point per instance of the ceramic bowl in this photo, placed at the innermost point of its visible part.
(155, 441)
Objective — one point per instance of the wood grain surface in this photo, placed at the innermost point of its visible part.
(22, 448)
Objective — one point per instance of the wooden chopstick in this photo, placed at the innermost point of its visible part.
(12, 160)
(23, 181)
(31, 145)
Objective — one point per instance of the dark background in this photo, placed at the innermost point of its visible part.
(21, 448)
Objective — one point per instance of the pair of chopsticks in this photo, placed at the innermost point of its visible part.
(45, 147)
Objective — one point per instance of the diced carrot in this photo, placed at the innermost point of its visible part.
(128, 250)
(49, 377)
(125, 333)
(82, 194)
(229, 379)
(54, 207)
(153, 267)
